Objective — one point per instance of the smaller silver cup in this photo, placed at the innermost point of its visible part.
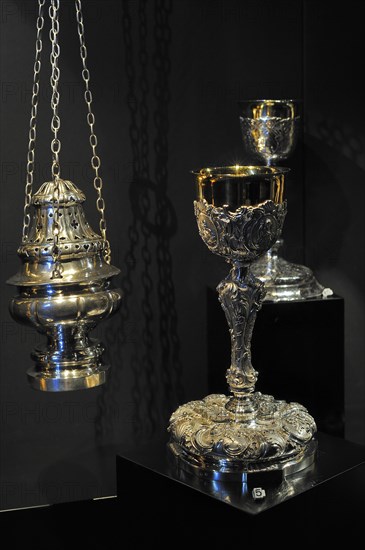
(270, 128)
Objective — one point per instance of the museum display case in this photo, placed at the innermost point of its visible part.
(166, 78)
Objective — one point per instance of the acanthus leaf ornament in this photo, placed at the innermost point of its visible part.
(241, 234)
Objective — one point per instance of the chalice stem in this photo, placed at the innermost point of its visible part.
(241, 295)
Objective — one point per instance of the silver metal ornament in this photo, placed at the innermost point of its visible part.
(66, 308)
(240, 211)
(270, 129)
(64, 283)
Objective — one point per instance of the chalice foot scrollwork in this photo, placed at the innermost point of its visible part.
(240, 212)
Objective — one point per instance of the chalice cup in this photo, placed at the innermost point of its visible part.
(240, 212)
(270, 129)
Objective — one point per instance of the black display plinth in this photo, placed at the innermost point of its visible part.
(157, 503)
(214, 510)
(298, 350)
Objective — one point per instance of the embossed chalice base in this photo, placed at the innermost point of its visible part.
(240, 213)
(276, 435)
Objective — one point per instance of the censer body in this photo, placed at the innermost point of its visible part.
(64, 308)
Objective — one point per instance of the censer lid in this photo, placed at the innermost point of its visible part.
(80, 249)
(69, 193)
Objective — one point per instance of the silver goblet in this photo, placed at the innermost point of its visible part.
(270, 129)
(240, 212)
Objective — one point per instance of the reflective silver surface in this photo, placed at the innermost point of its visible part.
(334, 457)
(240, 213)
(285, 281)
(270, 129)
(64, 309)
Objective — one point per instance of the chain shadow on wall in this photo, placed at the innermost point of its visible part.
(147, 283)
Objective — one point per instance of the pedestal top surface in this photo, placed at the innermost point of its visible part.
(335, 456)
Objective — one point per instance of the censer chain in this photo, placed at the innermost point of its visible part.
(95, 159)
(33, 123)
(55, 126)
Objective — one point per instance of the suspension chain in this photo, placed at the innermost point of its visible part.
(95, 159)
(33, 123)
(55, 126)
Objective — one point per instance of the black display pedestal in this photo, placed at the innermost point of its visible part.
(159, 504)
(298, 350)
(224, 511)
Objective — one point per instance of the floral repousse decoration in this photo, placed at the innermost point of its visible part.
(242, 235)
(266, 441)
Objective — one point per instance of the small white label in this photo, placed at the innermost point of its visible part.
(327, 292)
(258, 493)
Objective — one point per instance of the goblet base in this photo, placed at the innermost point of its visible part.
(216, 443)
(285, 281)
(68, 379)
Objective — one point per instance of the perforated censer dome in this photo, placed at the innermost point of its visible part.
(64, 282)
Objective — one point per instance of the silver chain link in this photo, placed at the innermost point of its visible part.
(95, 159)
(55, 126)
(33, 123)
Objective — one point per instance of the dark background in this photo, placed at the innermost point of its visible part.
(166, 77)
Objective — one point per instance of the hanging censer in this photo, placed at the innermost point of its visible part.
(64, 282)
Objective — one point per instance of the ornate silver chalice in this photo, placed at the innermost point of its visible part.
(240, 213)
(270, 129)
